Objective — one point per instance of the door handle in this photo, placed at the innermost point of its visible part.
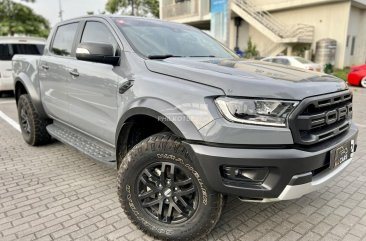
(74, 73)
(45, 67)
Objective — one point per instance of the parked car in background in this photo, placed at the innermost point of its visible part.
(295, 62)
(10, 46)
(357, 76)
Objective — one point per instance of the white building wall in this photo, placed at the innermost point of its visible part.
(357, 30)
(330, 21)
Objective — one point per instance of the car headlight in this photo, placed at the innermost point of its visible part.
(256, 111)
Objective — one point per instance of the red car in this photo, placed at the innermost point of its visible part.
(357, 76)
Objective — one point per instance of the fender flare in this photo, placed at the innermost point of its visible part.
(154, 108)
(33, 91)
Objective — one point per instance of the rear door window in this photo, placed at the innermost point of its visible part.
(64, 39)
(7, 51)
(28, 49)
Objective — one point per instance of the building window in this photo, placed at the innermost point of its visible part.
(347, 44)
(353, 45)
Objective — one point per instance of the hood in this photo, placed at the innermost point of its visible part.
(246, 78)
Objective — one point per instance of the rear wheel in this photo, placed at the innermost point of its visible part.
(163, 194)
(363, 82)
(32, 126)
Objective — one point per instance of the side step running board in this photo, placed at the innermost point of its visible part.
(91, 147)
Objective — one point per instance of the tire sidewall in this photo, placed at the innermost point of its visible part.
(363, 82)
(127, 193)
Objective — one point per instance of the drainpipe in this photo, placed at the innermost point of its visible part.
(237, 24)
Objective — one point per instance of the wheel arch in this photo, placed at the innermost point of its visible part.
(154, 121)
(23, 85)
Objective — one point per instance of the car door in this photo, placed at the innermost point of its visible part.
(54, 71)
(94, 86)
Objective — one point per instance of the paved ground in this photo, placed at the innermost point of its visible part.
(56, 193)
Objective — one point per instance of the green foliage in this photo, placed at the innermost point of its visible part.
(342, 73)
(134, 7)
(16, 18)
(328, 69)
(251, 50)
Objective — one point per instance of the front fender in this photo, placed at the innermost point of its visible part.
(165, 112)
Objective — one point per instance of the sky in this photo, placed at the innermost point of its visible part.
(71, 8)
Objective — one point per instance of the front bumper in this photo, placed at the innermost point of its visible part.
(292, 172)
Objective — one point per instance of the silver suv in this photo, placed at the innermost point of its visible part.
(10, 46)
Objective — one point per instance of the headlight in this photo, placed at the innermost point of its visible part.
(256, 112)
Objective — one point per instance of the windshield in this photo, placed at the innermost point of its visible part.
(7, 51)
(154, 39)
(303, 61)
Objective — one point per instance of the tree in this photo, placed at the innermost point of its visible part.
(251, 51)
(16, 18)
(134, 7)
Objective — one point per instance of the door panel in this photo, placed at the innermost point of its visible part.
(93, 99)
(54, 81)
(93, 88)
(54, 72)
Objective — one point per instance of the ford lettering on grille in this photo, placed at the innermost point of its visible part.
(321, 118)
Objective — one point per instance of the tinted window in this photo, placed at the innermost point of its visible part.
(156, 38)
(281, 61)
(97, 32)
(353, 45)
(64, 38)
(7, 51)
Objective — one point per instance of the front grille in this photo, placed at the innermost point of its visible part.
(320, 118)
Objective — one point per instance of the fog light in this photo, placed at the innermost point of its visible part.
(247, 174)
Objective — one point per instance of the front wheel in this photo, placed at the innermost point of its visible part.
(163, 194)
(363, 82)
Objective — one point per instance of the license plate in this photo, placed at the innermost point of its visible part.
(341, 153)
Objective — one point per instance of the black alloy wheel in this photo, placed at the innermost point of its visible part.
(167, 193)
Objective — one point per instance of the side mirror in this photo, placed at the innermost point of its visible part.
(97, 52)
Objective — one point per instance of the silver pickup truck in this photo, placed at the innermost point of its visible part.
(185, 121)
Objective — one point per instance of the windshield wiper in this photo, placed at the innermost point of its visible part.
(163, 56)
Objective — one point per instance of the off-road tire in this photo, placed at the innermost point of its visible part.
(36, 133)
(166, 148)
